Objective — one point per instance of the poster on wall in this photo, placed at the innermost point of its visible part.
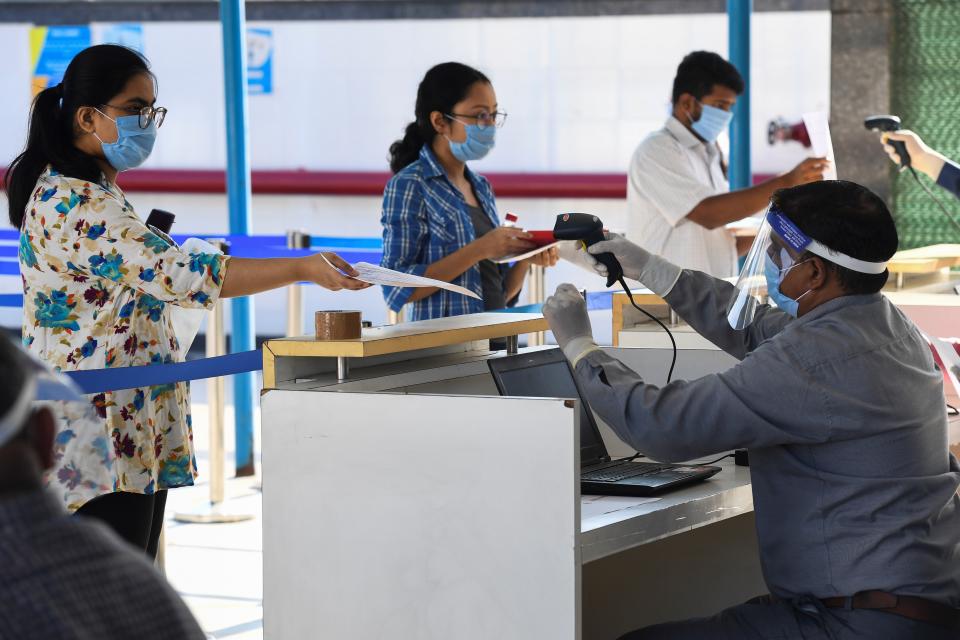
(127, 34)
(259, 61)
(51, 50)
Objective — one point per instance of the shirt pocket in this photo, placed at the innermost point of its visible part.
(446, 227)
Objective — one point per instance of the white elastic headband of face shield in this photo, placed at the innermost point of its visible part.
(12, 421)
(41, 384)
(784, 228)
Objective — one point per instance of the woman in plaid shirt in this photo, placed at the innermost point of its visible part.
(439, 217)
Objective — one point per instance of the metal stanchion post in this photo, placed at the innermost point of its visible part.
(216, 346)
(161, 561)
(295, 240)
(538, 288)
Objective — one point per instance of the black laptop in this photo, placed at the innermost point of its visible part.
(546, 374)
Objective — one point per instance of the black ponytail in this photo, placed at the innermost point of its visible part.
(93, 78)
(442, 87)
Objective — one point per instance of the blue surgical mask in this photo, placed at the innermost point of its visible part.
(712, 122)
(133, 145)
(479, 142)
(774, 276)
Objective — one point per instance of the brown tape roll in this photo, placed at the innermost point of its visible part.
(337, 325)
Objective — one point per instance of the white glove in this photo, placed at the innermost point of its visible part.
(566, 312)
(922, 157)
(654, 272)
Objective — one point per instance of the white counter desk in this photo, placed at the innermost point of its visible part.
(410, 501)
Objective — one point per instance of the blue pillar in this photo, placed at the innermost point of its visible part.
(738, 18)
(233, 21)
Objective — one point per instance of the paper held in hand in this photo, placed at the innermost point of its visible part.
(528, 254)
(374, 274)
(818, 129)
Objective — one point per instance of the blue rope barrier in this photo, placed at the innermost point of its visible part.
(100, 380)
(11, 300)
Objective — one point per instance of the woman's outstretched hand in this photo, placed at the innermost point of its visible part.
(318, 270)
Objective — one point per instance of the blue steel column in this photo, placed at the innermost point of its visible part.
(738, 18)
(233, 22)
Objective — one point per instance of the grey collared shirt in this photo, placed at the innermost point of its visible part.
(843, 412)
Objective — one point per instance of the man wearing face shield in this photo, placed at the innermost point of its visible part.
(64, 577)
(678, 197)
(840, 404)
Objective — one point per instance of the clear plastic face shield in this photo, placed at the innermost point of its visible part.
(777, 248)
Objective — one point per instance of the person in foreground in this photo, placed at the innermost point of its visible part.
(65, 578)
(840, 404)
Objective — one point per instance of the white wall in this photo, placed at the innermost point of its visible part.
(581, 94)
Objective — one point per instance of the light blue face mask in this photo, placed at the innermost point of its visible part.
(712, 122)
(133, 145)
(478, 144)
(774, 276)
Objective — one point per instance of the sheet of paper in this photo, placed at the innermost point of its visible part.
(818, 128)
(948, 355)
(528, 254)
(375, 274)
(593, 509)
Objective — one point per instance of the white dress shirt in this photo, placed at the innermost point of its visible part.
(670, 173)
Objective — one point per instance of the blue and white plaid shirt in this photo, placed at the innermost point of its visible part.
(425, 218)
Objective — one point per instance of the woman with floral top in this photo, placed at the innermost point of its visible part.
(100, 286)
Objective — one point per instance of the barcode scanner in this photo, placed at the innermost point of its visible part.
(886, 124)
(588, 230)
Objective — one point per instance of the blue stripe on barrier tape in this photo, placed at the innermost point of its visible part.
(11, 300)
(596, 301)
(100, 380)
(599, 300)
(526, 308)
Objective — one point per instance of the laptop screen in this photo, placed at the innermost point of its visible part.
(546, 374)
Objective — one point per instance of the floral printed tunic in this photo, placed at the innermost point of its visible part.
(99, 286)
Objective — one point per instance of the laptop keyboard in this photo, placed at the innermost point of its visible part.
(617, 472)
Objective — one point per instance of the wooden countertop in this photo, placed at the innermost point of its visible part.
(410, 336)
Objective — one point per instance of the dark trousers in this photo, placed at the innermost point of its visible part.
(135, 517)
(808, 619)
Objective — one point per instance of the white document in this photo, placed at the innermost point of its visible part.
(819, 131)
(374, 274)
(951, 361)
(528, 254)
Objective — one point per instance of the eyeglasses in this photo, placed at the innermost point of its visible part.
(147, 114)
(484, 119)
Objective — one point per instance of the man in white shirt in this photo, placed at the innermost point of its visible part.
(678, 197)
